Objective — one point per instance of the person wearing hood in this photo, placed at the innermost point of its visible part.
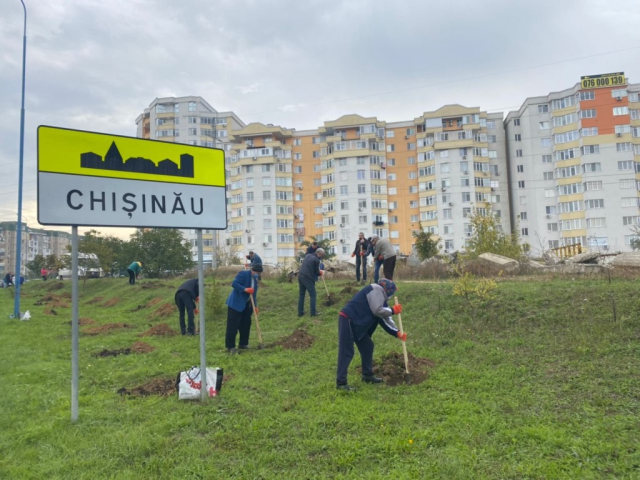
(357, 322)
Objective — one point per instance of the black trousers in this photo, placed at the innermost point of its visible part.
(305, 284)
(361, 260)
(388, 266)
(238, 322)
(185, 302)
(346, 351)
(132, 277)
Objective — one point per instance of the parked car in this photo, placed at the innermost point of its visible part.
(88, 265)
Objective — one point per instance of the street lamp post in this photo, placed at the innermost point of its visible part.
(16, 306)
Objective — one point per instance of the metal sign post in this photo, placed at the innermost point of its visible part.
(74, 323)
(203, 354)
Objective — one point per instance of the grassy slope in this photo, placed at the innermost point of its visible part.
(543, 385)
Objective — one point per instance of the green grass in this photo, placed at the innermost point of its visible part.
(543, 384)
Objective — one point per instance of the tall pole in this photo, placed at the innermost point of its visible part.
(203, 345)
(74, 323)
(16, 305)
(214, 257)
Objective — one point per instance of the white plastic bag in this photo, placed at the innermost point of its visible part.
(189, 383)
(26, 316)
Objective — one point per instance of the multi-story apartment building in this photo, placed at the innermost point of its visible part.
(573, 166)
(34, 242)
(351, 174)
(362, 174)
(189, 120)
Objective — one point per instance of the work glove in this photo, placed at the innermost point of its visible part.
(195, 310)
(256, 310)
(321, 273)
(353, 255)
(249, 290)
(402, 336)
(397, 309)
(197, 300)
(380, 258)
(362, 254)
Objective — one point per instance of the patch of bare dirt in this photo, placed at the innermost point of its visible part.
(83, 322)
(55, 286)
(157, 386)
(162, 330)
(154, 301)
(142, 347)
(94, 301)
(106, 328)
(298, 340)
(164, 311)
(348, 290)
(111, 353)
(391, 369)
(112, 302)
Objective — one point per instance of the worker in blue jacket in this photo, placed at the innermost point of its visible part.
(239, 309)
(356, 323)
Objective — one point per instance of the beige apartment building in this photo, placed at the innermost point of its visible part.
(35, 241)
(351, 174)
(573, 161)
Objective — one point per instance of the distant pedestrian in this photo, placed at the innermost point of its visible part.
(307, 277)
(312, 248)
(8, 280)
(360, 252)
(357, 321)
(384, 252)
(21, 279)
(239, 308)
(44, 272)
(134, 271)
(186, 299)
(376, 263)
(254, 259)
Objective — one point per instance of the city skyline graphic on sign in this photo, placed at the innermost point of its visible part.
(113, 161)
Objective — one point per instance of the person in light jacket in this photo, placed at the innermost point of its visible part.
(134, 271)
(383, 251)
(357, 321)
(239, 308)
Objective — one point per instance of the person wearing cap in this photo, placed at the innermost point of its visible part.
(239, 308)
(357, 321)
(360, 252)
(384, 252)
(186, 299)
(312, 248)
(134, 271)
(254, 258)
(307, 277)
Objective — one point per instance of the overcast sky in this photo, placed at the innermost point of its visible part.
(96, 64)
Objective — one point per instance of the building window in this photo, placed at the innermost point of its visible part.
(547, 176)
(518, 153)
(525, 232)
(521, 184)
(544, 108)
(516, 123)
(617, 111)
(520, 168)
(193, 131)
(518, 137)
(193, 107)
(587, 95)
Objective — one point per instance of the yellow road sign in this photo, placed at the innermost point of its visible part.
(75, 152)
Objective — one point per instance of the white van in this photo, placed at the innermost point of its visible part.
(88, 264)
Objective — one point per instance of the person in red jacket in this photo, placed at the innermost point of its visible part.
(360, 252)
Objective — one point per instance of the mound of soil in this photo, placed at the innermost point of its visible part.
(141, 347)
(299, 339)
(154, 301)
(111, 353)
(66, 295)
(60, 304)
(110, 303)
(164, 311)
(55, 286)
(83, 322)
(162, 330)
(348, 290)
(391, 369)
(106, 328)
(157, 386)
(94, 301)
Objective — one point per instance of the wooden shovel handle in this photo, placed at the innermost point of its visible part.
(404, 345)
(257, 322)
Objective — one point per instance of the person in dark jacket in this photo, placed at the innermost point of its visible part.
(239, 308)
(377, 264)
(134, 271)
(312, 248)
(307, 277)
(254, 259)
(360, 252)
(356, 323)
(8, 280)
(187, 299)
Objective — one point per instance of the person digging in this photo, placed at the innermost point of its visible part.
(357, 321)
(239, 308)
(134, 271)
(187, 300)
(307, 277)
